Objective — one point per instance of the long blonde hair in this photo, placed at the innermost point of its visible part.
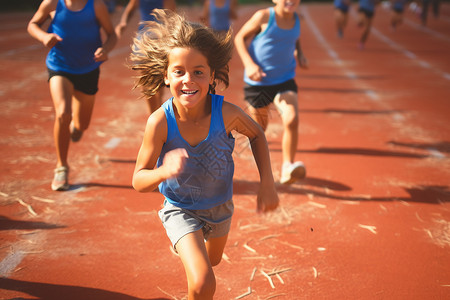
(152, 45)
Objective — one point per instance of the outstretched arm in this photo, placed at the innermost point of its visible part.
(302, 61)
(126, 16)
(249, 30)
(236, 119)
(45, 10)
(102, 15)
(147, 176)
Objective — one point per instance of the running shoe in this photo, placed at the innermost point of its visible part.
(61, 179)
(291, 172)
(75, 134)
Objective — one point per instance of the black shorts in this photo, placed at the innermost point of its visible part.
(86, 83)
(369, 13)
(261, 96)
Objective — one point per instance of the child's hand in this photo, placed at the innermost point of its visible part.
(51, 39)
(255, 73)
(119, 29)
(267, 198)
(174, 162)
(100, 55)
(303, 62)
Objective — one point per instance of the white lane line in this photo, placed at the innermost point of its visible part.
(409, 54)
(113, 143)
(427, 30)
(334, 55)
(406, 52)
(420, 27)
(10, 263)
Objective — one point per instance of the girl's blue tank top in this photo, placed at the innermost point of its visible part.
(219, 17)
(273, 50)
(80, 32)
(368, 5)
(146, 7)
(207, 178)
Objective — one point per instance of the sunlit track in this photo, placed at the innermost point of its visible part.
(370, 220)
(406, 52)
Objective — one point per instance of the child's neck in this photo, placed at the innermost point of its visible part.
(194, 114)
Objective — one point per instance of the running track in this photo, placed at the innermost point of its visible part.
(370, 221)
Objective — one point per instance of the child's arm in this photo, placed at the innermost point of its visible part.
(126, 16)
(147, 177)
(250, 29)
(302, 61)
(233, 9)
(204, 18)
(44, 11)
(170, 4)
(102, 15)
(236, 119)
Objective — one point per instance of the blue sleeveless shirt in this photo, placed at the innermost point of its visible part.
(80, 32)
(368, 5)
(273, 50)
(219, 17)
(207, 178)
(146, 7)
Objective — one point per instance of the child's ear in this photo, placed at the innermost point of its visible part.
(211, 80)
(166, 80)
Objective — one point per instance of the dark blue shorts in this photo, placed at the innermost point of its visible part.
(369, 13)
(86, 83)
(260, 96)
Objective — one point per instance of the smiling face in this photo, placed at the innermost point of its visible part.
(189, 76)
(288, 6)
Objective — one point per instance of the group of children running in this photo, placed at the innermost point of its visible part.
(188, 142)
(366, 12)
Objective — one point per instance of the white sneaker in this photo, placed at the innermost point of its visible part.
(290, 173)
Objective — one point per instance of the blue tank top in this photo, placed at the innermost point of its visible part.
(80, 32)
(146, 7)
(344, 6)
(368, 5)
(273, 50)
(207, 178)
(219, 17)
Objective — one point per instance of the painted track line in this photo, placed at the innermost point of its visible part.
(370, 93)
(420, 62)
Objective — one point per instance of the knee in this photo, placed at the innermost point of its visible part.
(290, 119)
(215, 260)
(63, 117)
(203, 286)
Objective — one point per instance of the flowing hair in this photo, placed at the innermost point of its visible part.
(152, 45)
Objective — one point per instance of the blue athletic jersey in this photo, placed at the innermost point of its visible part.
(273, 50)
(368, 5)
(147, 6)
(342, 4)
(219, 17)
(80, 32)
(207, 178)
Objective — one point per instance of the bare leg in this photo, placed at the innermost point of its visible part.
(82, 108)
(61, 90)
(260, 115)
(287, 105)
(215, 247)
(200, 275)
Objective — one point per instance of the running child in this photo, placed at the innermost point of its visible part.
(270, 63)
(146, 8)
(366, 12)
(218, 14)
(187, 146)
(76, 53)
(397, 8)
(341, 8)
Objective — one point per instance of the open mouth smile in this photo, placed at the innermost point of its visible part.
(189, 92)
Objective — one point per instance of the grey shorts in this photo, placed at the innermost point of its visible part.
(214, 222)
